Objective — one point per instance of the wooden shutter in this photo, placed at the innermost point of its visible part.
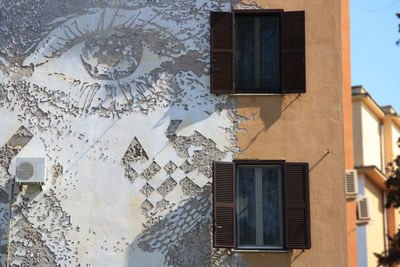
(224, 205)
(297, 206)
(293, 53)
(221, 53)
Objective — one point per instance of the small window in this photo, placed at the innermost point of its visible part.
(261, 205)
(257, 51)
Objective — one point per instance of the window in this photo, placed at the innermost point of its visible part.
(261, 205)
(257, 51)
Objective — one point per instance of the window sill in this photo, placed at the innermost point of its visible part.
(261, 250)
(257, 94)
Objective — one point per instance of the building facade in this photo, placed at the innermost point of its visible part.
(376, 130)
(135, 106)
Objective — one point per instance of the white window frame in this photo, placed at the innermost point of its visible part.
(259, 209)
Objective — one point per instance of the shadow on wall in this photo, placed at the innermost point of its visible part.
(265, 109)
(184, 238)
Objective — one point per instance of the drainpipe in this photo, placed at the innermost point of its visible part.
(383, 162)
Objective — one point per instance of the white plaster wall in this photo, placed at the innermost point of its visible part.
(370, 138)
(116, 98)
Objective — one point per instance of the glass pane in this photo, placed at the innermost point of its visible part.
(257, 53)
(271, 206)
(244, 54)
(269, 53)
(246, 213)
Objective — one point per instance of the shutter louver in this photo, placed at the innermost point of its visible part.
(293, 52)
(224, 205)
(297, 207)
(221, 53)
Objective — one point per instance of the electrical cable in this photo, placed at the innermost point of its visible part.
(375, 10)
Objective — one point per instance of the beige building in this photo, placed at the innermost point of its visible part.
(376, 130)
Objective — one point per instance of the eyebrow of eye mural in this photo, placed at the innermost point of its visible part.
(112, 46)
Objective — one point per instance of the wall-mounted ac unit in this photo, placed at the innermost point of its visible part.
(30, 171)
(363, 212)
(351, 183)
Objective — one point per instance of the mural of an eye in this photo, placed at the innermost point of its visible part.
(114, 61)
(110, 56)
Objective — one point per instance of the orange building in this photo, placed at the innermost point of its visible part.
(293, 132)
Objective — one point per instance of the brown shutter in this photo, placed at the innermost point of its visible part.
(293, 53)
(297, 206)
(224, 205)
(221, 53)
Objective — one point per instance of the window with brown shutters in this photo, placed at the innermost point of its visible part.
(258, 51)
(261, 205)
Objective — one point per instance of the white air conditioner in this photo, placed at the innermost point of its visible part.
(30, 171)
(351, 183)
(363, 212)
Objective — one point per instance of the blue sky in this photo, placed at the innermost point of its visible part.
(375, 58)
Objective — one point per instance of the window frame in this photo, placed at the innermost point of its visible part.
(292, 58)
(261, 164)
(257, 12)
(296, 204)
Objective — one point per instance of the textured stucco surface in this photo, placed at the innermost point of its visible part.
(115, 95)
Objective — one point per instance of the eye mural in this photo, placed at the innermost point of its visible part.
(116, 96)
(118, 58)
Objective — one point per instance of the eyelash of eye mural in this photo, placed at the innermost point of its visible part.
(110, 44)
(109, 53)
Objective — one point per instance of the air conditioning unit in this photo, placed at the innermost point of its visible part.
(351, 183)
(30, 171)
(363, 212)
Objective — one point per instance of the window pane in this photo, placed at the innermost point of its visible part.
(257, 53)
(244, 54)
(269, 53)
(271, 206)
(246, 213)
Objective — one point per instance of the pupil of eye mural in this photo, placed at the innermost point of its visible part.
(110, 56)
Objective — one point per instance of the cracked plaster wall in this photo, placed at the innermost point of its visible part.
(115, 96)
